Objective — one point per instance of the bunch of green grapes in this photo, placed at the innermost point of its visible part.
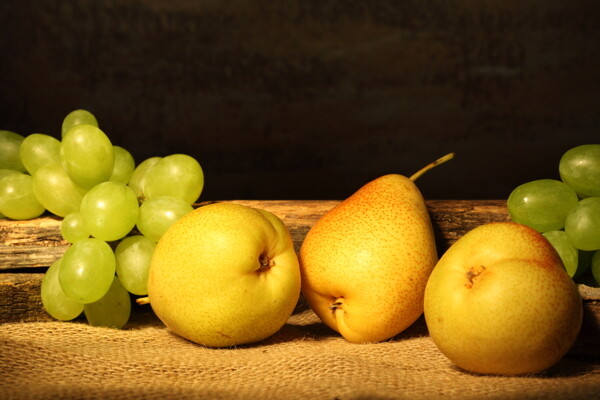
(113, 212)
(567, 211)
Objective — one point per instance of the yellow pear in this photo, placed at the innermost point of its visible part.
(499, 301)
(365, 263)
(225, 274)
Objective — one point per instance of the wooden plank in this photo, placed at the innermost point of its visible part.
(37, 242)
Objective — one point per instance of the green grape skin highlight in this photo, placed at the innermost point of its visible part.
(17, 199)
(124, 165)
(541, 204)
(575, 261)
(112, 310)
(56, 191)
(579, 168)
(72, 228)
(39, 149)
(136, 181)
(87, 155)
(87, 270)
(109, 211)
(133, 255)
(10, 144)
(177, 175)
(56, 303)
(78, 117)
(583, 224)
(157, 214)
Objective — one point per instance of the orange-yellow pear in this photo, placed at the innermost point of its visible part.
(366, 262)
(499, 301)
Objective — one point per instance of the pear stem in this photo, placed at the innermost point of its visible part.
(143, 300)
(429, 166)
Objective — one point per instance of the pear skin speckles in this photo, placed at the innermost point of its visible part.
(375, 250)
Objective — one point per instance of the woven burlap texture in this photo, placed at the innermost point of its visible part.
(305, 360)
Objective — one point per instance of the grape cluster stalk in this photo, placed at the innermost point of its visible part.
(113, 212)
(566, 210)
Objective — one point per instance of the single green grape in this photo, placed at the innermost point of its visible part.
(87, 155)
(112, 310)
(579, 168)
(136, 181)
(56, 191)
(177, 175)
(3, 173)
(17, 200)
(133, 255)
(55, 301)
(87, 270)
(109, 211)
(38, 150)
(72, 228)
(583, 224)
(10, 144)
(78, 117)
(596, 266)
(541, 204)
(157, 214)
(124, 165)
(575, 261)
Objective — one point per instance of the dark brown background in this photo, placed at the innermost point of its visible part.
(308, 99)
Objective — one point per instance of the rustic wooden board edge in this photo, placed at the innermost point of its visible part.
(37, 243)
(20, 301)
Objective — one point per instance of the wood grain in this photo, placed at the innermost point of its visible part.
(38, 242)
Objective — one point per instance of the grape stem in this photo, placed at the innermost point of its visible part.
(143, 300)
(431, 165)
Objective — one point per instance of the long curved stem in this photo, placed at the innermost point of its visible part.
(429, 166)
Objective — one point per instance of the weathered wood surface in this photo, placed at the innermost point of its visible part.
(27, 248)
(37, 242)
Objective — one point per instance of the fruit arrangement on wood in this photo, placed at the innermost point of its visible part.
(503, 299)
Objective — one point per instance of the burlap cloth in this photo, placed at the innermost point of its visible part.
(305, 360)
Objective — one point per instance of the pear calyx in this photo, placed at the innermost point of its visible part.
(265, 263)
(472, 274)
(431, 165)
(336, 304)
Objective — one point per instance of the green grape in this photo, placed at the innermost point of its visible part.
(87, 270)
(56, 191)
(109, 211)
(176, 175)
(78, 117)
(583, 224)
(38, 150)
(55, 301)
(17, 200)
(72, 228)
(3, 173)
(136, 181)
(159, 213)
(133, 255)
(542, 204)
(575, 261)
(579, 168)
(596, 266)
(10, 143)
(124, 165)
(87, 155)
(112, 310)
